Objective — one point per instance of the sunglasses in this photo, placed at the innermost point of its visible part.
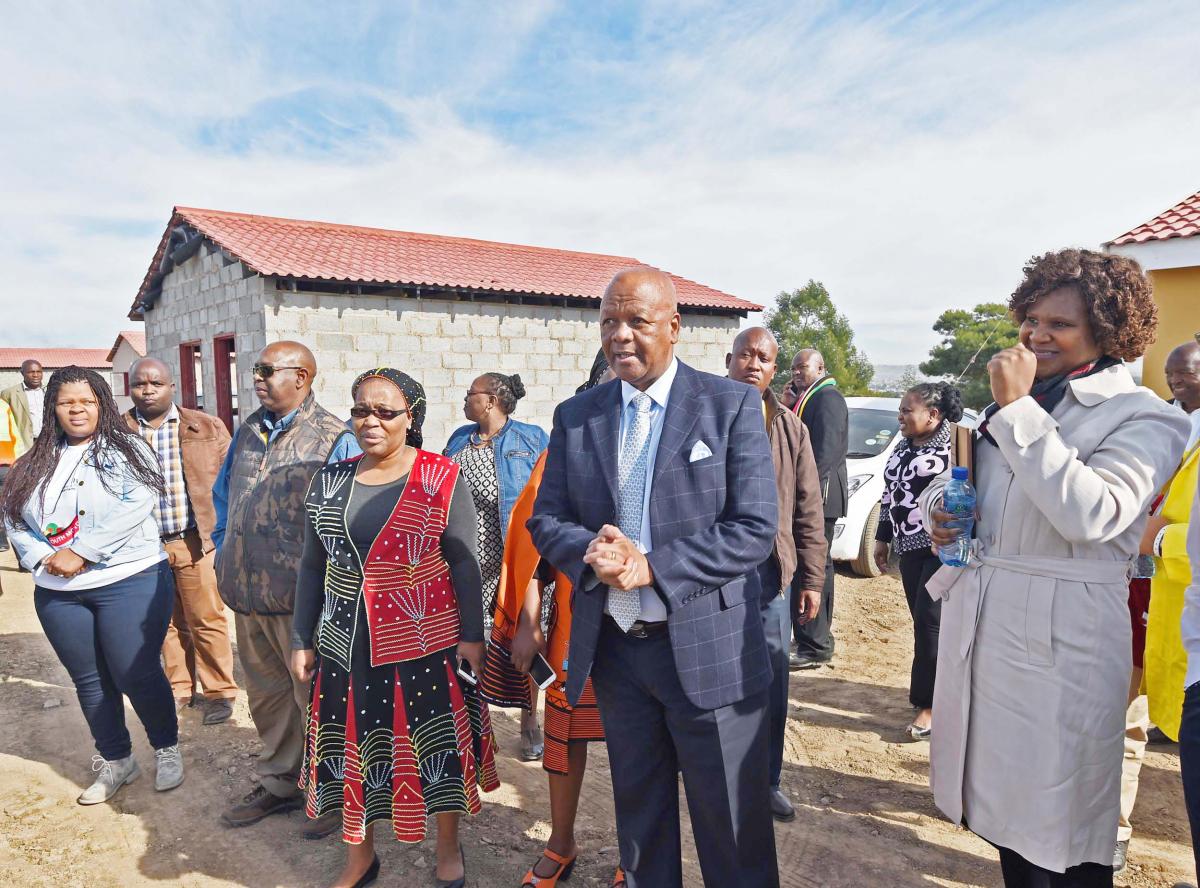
(378, 412)
(266, 371)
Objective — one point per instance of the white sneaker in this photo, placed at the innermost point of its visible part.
(168, 772)
(111, 777)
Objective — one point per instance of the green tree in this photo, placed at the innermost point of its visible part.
(986, 329)
(807, 318)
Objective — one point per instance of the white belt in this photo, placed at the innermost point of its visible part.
(1044, 569)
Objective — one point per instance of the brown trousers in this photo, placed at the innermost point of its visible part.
(197, 644)
(278, 703)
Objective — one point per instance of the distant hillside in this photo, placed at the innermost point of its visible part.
(891, 378)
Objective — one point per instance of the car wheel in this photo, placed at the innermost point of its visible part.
(864, 565)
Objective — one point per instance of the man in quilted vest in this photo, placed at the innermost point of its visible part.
(259, 499)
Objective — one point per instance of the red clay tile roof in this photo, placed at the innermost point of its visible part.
(53, 358)
(1182, 220)
(136, 338)
(331, 252)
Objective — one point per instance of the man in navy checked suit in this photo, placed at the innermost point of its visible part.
(683, 687)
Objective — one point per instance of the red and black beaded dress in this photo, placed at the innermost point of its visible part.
(393, 732)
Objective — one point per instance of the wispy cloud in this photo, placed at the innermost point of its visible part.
(910, 156)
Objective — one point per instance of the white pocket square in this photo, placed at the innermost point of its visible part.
(699, 451)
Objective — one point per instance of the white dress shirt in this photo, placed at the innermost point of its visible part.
(36, 398)
(653, 609)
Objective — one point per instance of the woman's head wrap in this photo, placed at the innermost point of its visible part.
(414, 396)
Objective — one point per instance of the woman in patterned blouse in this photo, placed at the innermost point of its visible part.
(497, 454)
(925, 412)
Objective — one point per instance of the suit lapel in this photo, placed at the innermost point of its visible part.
(680, 420)
(605, 428)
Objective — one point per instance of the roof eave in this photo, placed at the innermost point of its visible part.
(742, 309)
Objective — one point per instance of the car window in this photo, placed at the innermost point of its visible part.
(870, 431)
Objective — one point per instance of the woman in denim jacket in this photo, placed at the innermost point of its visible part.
(497, 454)
(79, 510)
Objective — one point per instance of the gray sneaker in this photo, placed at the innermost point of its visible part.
(111, 777)
(168, 772)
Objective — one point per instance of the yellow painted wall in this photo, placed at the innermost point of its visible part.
(1177, 292)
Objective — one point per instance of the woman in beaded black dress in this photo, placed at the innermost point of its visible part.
(387, 603)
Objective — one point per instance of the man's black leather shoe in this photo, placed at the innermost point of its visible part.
(796, 662)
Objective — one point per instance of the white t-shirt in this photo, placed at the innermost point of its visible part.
(60, 524)
(37, 400)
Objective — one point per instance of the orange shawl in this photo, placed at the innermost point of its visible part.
(502, 683)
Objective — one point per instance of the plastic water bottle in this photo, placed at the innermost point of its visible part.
(959, 500)
(1144, 567)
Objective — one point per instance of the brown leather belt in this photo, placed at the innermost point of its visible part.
(176, 537)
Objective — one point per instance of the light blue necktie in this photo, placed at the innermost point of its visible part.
(626, 607)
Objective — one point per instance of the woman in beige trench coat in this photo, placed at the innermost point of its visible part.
(1035, 651)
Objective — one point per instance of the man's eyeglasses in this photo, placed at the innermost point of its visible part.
(266, 371)
(359, 412)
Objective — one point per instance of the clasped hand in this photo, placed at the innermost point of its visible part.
(65, 563)
(617, 561)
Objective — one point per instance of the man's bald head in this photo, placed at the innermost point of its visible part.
(159, 367)
(807, 367)
(757, 336)
(287, 352)
(639, 324)
(1189, 351)
(656, 283)
(752, 359)
(1183, 374)
(283, 376)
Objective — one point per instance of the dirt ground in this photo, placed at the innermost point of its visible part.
(865, 814)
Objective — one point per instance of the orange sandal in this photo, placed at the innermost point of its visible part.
(619, 879)
(565, 866)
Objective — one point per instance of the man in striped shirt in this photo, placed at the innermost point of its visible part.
(191, 446)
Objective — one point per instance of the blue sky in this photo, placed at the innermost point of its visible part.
(909, 155)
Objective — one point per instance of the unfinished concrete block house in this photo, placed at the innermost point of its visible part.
(223, 285)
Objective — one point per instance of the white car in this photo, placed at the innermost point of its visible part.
(874, 434)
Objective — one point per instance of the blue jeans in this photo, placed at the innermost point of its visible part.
(109, 640)
(777, 626)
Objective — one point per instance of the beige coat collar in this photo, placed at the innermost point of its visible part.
(1099, 387)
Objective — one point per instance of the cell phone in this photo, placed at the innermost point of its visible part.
(465, 673)
(542, 673)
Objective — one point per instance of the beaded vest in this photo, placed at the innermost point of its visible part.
(404, 582)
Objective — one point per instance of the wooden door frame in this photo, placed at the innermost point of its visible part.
(187, 372)
(223, 346)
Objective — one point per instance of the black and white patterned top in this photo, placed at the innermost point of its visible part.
(909, 470)
(479, 469)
